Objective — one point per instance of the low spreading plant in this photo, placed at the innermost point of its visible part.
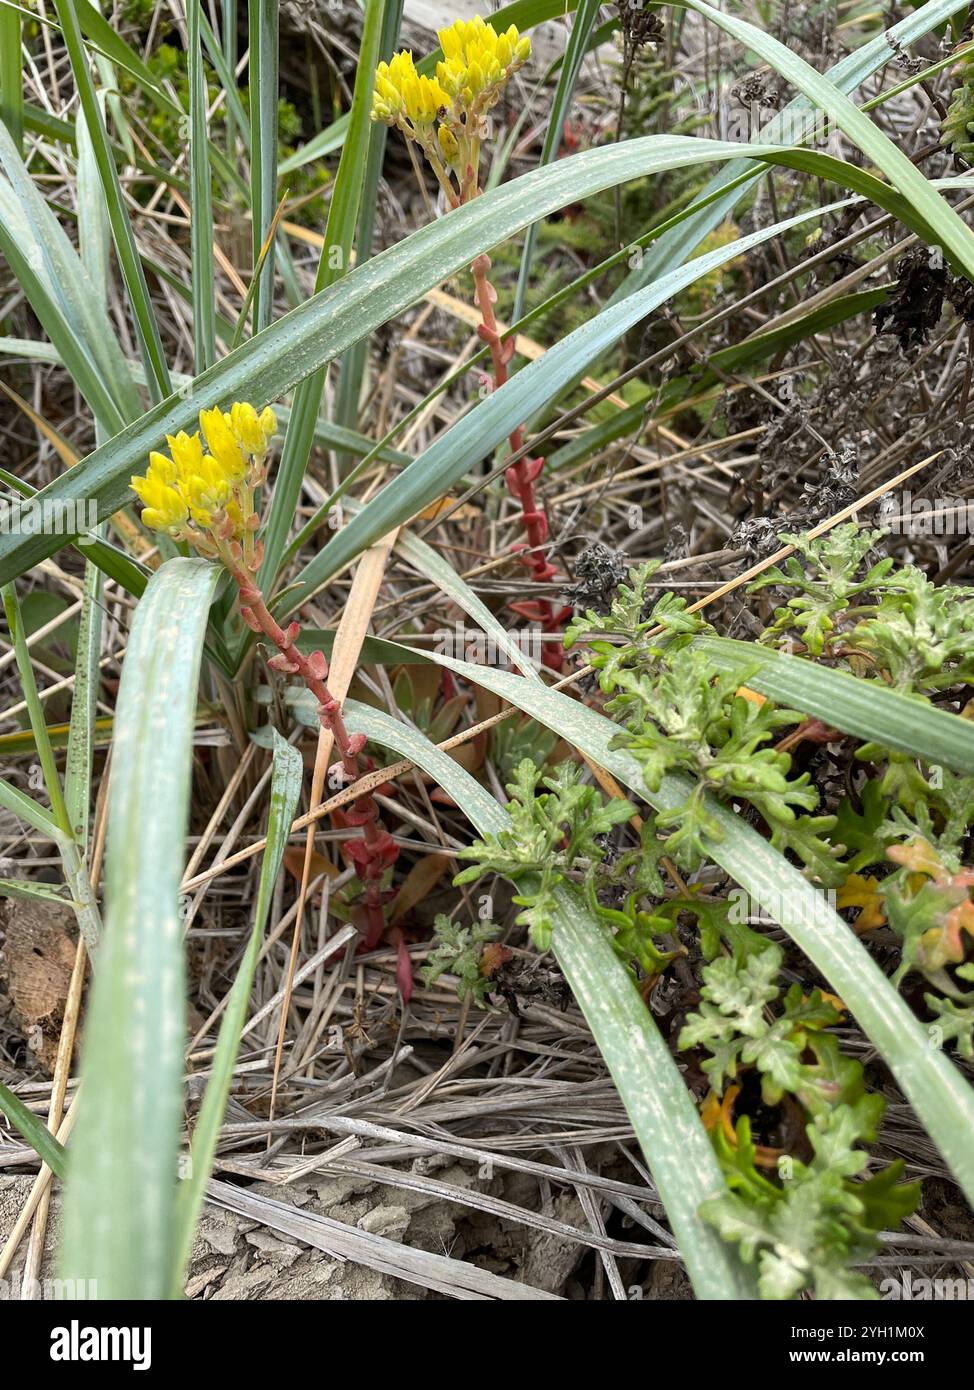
(957, 127)
(909, 822)
(805, 1220)
(679, 715)
(552, 831)
(459, 951)
(806, 1212)
(914, 635)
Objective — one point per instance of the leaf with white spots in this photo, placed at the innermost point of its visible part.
(119, 1226)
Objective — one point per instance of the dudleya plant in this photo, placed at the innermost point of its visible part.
(207, 499)
(446, 116)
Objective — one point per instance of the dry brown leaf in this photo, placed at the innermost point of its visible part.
(320, 864)
(419, 883)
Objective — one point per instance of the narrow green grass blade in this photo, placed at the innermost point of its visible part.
(94, 231)
(228, 42)
(264, 96)
(84, 707)
(223, 55)
(624, 424)
(26, 889)
(28, 810)
(328, 435)
(382, 450)
(334, 436)
(111, 51)
(335, 257)
(60, 292)
(112, 100)
(408, 742)
(11, 78)
(50, 128)
(93, 243)
(89, 273)
(34, 1132)
(865, 708)
(103, 38)
(354, 363)
(83, 899)
(490, 422)
(105, 42)
(661, 1109)
(114, 563)
(651, 1086)
(201, 198)
(939, 1094)
(585, 16)
(376, 651)
(121, 1194)
(267, 366)
(35, 711)
(902, 173)
(126, 249)
(286, 781)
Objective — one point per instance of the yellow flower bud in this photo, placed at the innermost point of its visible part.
(246, 427)
(165, 509)
(451, 39)
(207, 491)
(163, 468)
(449, 146)
(223, 443)
(477, 61)
(447, 78)
(186, 450)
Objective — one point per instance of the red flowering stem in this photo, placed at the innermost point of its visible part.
(520, 477)
(376, 850)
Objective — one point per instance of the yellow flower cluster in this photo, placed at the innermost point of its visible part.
(212, 490)
(403, 95)
(477, 63)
